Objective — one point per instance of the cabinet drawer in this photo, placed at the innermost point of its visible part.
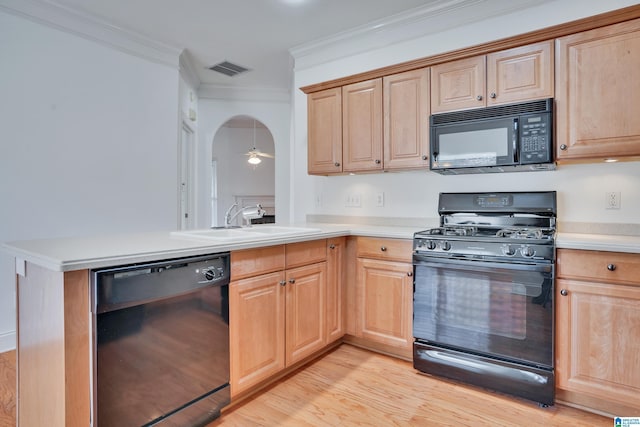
(252, 262)
(387, 249)
(610, 267)
(304, 253)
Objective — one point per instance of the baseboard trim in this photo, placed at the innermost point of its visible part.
(7, 341)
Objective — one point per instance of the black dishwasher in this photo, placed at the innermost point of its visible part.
(161, 342)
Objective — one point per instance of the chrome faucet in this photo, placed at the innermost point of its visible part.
(248, 213)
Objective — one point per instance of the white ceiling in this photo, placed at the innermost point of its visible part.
(262, 35)
(255, 34)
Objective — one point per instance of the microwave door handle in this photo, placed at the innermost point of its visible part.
(516, 141)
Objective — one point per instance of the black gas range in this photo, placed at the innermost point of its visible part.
(483, 292)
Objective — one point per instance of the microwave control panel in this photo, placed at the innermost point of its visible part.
(535, 138)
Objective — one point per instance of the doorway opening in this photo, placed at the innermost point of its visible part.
(237, 177)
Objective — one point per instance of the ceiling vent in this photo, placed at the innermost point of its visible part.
(228, 69)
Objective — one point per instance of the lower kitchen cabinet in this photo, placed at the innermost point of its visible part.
(598, 330)
(384, 295)
(256, 329)
(336, 290)
(276, 318)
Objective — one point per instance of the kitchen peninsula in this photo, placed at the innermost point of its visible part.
(54, 330)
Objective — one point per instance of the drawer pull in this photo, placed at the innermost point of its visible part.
(283, 282)
(292, 280)
(564, 292)
(611, 267)
(332, 246)
(383, 248)
(410, 273)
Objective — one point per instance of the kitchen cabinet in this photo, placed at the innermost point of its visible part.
(276, 309)
(324, 144)
(513, 75)
(598, 330)
(383, 125)
(598, 93)
(335, 295)
(406, 120)
(362, 126)
(384, 295)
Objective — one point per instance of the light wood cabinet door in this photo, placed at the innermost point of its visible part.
(520, 74)
(598, 345)
(256, 329)
(335, 291)
(305, 311)
(406, 120)
(362, 126)
(324, 132)
(598, 93)
(458, 85)
(385, 294)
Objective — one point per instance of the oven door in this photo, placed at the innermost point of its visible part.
(494, 309)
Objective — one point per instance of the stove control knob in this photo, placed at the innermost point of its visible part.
(445, 245)
(431, 245)
(508, 250)
(527, 251)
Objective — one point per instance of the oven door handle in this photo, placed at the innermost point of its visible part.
(480, 265)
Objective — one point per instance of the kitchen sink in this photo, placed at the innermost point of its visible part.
(222, 234)
(277, 229)
(254, 232)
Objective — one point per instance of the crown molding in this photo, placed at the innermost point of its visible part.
(91, 28)
(237, 93)
(412, 24)
(188, 70)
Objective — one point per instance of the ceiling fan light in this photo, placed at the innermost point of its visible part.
(254, 160)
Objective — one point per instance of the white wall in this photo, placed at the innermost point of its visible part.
(235, 175)
(276, 116)
(580, 188)
(88, 143)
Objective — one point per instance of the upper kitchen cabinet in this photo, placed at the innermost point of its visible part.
(324, 143)
(519, 74)
(598, 93)
(362, 126)
(406, 120)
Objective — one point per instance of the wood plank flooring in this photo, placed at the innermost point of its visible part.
(355, 387)
(8, 389)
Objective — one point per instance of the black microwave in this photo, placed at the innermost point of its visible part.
(506, 138)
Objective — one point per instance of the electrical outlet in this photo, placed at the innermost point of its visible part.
(380, 200)
(612, 200)
(353, 201)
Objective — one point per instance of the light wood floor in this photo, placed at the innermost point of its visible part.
(354, 387)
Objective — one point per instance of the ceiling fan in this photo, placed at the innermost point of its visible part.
(255, 154)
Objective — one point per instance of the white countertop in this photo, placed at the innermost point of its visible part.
(598, 242)
(76, 253)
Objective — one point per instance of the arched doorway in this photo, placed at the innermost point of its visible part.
(236, 179)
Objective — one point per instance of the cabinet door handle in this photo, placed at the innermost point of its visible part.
(383, 248)
(332, 246)
(611, 267)
(424, 157)
(283, 282)
(378, 161)
(292, 280)
(564, 292)
(563, 147)
(337, 164)
(479, 97)
(410, 273)
(493, 95)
